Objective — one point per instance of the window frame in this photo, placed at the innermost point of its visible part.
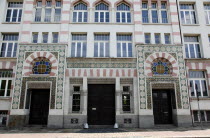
(146, 39)
(121, 12)
(198, 116)
(99, 12)
(78, 93)
(106, 43)
(188, 50)
(82, 42)
(19, 12)
(7, 79)
(120, 54)
(82, 11)
(184, 21)
(200, 82)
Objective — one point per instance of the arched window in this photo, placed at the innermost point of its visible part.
(41, 66)
(102, 13)
(161, 66)
(123, 14)
(80, 13)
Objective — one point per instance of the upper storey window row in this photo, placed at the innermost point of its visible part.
(153, 14)
(14, 12)
(48, 12)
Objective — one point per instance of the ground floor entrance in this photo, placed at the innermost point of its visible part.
(162, 106)
(39, 107)
(101, 104)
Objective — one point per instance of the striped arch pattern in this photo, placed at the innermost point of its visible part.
(125, 1)
(27, 69)
(84, 1)
(99, 1)
(152, 57)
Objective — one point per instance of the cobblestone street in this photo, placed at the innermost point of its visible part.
(104, 133)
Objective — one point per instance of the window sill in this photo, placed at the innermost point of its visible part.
(8, 58)
(156, 23)
(162, 76)
(39, 75)
(45, 23)
(190, 24)
(10, 22)
(200, 98)
(102, 23)
(5, 98)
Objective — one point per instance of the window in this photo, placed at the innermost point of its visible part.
(187, 12)
(167, 39)
(164, 16)
(124, 45)
(3, 118)
(5, 82)
(102, 13)
(201, 115)
(9, 45)
(57, 17)
(14, 12)
(51, 13)
(44, 37)
(147, 38)
(207, 13)
(101, 45)
(145, 14)
(80, 13)
(198, 83)
(35, 38)
(192, 47)
(79, 45)
(157, 39)
(123, 13)
(76, 99)
(55, 37)
(154, 13)
(41, 66)
(126, 98)
(161, 66)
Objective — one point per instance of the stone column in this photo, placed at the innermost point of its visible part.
(117, 96)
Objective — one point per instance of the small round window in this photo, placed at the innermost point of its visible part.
(41, 66)
(161, 66)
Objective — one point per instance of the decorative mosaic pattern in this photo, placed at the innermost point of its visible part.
(23, 89)
(161, 66)
(171, 80)
(181, 87)
(60, 77)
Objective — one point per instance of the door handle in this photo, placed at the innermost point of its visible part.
(165, 112)
(93, 109)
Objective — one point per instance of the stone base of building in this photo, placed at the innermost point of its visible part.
(184, 121)
(18, 121)
(75, 121)
(146, 121)
(127, 121)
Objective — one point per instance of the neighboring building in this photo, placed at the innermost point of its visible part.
(64, 63)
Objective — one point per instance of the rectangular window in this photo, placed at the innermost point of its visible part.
(157, 39)
(198, 83)
(3, 118)
(164, 14)
(55, 37)
(35, 38)
(145, 15)
(38, 12)
(154, 13)
(167, 38)
(79, 45)
(126, 98)
(124, 45)
(76, 99)
(192, 47)
(123, 14)
(9, 45)
(201, 115)
(187, 12)
(57, 15)
(80, 13)
(147, 38)
(48, 11)
(101, 45)
(102, 13)
(14, 12)
(207, 13)
(44, 37)
(5, 82)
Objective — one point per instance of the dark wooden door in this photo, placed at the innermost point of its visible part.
(162, 107)
(39, 108)
(101, 104)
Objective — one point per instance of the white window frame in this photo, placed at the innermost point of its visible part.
(163, 9)
(57, 7)
(154, 9)
(40, 8)
(54, 38)
(7, 79)
(19, 11)
(98, 42)
(76, 45)
(44, 38)
(121, 47)
(169, 38)
(201, 88)
(33, 37)
(146, 9)
(199, 119)
(125, 12)
(190, 14)
(159, 38)
(14, 42)
(77, 13)
(194, 45)
(145, 39)
(99, 14)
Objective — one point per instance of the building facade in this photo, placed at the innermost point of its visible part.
(64, 63)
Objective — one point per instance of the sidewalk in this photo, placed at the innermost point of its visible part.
(104, 133)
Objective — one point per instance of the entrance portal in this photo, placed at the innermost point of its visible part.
(162, 106)
(101, 104)
(39, 108)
